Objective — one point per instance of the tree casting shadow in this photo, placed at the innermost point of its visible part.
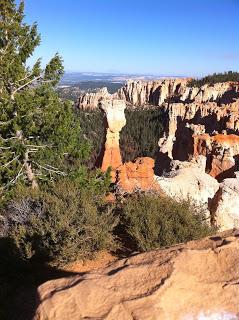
(19, 281)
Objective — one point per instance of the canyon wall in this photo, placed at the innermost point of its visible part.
(142, 93)
(198, 153)
(203, 128)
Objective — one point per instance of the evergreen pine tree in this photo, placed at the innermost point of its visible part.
(39, 133)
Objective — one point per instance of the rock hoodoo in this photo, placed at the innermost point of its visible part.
(114, 111)
(198, 154)
(208, 129)
(196, 280)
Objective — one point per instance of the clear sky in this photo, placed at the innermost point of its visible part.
(171, 37)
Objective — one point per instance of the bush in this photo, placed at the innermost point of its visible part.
(61, 225)
(153, 221)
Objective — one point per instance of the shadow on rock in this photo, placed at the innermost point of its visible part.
(19, 281)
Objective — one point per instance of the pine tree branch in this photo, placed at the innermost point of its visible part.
(7, 164)
(50, 170)
(14, 180)
(24, 85)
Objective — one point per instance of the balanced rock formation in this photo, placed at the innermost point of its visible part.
(197, 280)
(114, 111)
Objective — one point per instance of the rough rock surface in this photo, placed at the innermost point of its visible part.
(189, 182)
(137, 175)
(91, 100)
(207, 129)
(193, 281)
(114, 111)
(140, 93)
(227, 204)
(222, 152)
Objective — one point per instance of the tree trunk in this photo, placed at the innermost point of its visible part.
(30, 174)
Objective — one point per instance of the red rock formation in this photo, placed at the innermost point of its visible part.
(197, 280)
(137, 175)
(221, 152)
(114, 111)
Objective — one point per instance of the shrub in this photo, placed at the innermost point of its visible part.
(61, 225)
(152, 221)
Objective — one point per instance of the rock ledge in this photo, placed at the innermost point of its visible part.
(196, 280)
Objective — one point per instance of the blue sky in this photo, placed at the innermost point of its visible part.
(172, 37)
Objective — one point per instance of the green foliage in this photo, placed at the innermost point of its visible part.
(40, 135)
(140, 136)
(215, 78)
(60, 225)
(92, 124)
(153, 221)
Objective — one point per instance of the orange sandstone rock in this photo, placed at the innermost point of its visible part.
(221, 151)
(196, 280)
(114, 111)
(137, 175)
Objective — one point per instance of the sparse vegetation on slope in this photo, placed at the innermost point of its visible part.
(215, 78)
(153, 222)
(60, 225)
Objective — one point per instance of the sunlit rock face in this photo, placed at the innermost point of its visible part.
(91, 100)
(188, 181)
(222, 151)
(206, 128)
(139, 93)
(226, 209)
(137, 175)
(114, 112)
(193, 281)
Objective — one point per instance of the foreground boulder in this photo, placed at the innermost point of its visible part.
(197, 280)
(227, 204)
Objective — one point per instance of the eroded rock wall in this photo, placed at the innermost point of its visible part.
(141, 93)
(200, 148)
